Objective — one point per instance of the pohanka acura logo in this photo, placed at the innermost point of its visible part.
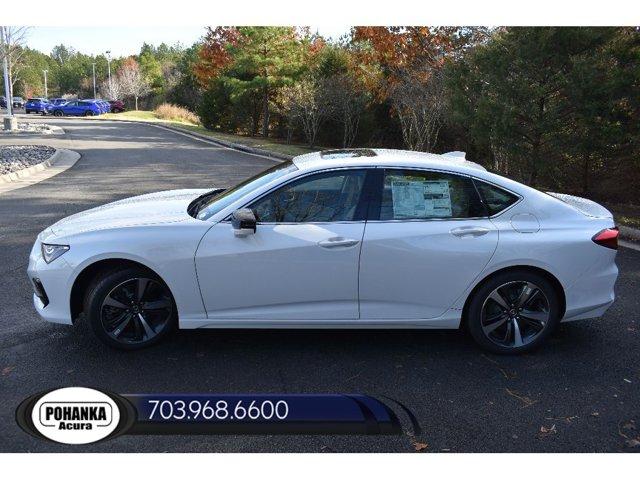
(73, 415)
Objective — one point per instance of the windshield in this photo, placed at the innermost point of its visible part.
(226, 198)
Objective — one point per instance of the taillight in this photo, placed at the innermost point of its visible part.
(607, 238)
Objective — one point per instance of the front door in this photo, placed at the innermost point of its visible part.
(302, 262)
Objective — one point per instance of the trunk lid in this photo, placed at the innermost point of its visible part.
(585, 206)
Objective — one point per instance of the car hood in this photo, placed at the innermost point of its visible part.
(150, 209)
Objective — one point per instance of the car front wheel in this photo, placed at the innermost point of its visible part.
(130, 308)
(513, 312)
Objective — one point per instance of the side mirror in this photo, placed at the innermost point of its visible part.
(244, 222)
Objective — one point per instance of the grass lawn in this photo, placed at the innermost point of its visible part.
(270, 144)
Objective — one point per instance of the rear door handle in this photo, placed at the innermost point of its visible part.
(335, 242)
(469, 231)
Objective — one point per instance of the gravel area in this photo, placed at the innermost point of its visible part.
(17, 157)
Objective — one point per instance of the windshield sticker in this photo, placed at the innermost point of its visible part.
(421, 198)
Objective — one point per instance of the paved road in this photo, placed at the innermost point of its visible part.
(585, 382)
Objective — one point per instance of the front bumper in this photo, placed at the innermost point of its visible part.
(52, 286)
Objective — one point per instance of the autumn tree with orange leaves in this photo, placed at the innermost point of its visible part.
(405, 65)
(253, 60)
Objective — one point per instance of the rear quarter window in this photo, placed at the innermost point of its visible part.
(495, 198)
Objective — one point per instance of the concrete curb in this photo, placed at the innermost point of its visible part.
(234, 146)
(222, 143)
(53, 130)
(26, 172)
(60, 161)
(629, 233)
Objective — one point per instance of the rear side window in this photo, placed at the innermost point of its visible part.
(423, 195)
(495, 199)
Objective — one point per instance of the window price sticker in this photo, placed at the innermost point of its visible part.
(421, 198)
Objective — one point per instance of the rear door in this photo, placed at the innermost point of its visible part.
(427, 239)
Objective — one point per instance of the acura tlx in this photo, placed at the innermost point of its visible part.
(362, 238)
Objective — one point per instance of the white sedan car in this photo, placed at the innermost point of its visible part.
(337, 239)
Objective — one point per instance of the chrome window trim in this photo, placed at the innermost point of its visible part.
(227, 219)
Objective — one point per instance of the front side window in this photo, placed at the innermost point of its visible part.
(218, 202)
(495, 199)
(424, 195)
(323, 197)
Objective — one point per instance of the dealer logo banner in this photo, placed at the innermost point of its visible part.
(78, 415)
(74, 415)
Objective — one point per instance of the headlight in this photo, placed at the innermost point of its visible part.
(51, 252)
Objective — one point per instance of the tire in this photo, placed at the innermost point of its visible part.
(119, 315)
(513, 312)
(57, 113)
(27, 112)
(88, 113)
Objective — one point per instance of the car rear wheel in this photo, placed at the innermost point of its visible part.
(88, 113)
(57, 113)
(513, 312)
(130, 308)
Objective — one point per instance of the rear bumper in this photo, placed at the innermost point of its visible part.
(593, 293)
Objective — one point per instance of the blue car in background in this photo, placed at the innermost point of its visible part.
(37, 105)
(103, 105)
(78, 108)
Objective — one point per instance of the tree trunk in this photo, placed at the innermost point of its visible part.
(533, 163)
(345, 130)
(586, 174)
(265, 112)
(136, 104)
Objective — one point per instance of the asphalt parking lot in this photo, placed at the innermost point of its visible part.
(579, 393)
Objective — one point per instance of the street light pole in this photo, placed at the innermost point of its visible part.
(94, 79)
(109, 69)
(7, 87)
(46, 93)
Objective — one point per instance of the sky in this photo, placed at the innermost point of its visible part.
(124, 41)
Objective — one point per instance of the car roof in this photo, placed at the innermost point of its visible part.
(366, 157)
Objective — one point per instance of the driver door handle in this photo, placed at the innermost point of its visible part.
(469, 231)
(335, 242)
